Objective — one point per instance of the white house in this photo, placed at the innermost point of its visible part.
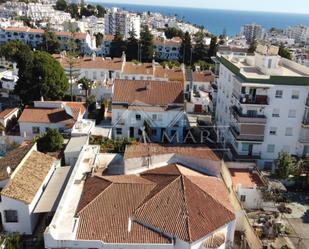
(169, 207)
(7, 115)
(248, 184)
(167, 49)
(73, 149)
(160, 104)
(50, 114)
(25, 174)
(262, 106)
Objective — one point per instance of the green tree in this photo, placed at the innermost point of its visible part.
(86, 85)
(100, 11)
(43, 76)
(284, 52)
(252, 46)
(213, 48)
(13, 241)
(51, 141)
(98, 39)
(285, 165)
(50, 43)
(73, 10)
(173, 32)
(118, 46)
(200, 48)
(132, 46)
(203, 65)
(91, 103)
(146, 43)
(61, 5)
(186, 49)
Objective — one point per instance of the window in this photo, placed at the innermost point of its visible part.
(245, 147)
(10, 216)
(119, 131)
(270, 148)
(35, 130)
(242, 198)
(273, 131)
(138, 117)
(292, 113)
(154, 132)
(295, 94)
(276, 113)
(279, 94)
(289, 131)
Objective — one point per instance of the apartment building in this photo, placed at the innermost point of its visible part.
(156, 106)
(123, 22)
(262, 105)
(167, 49)
(171, 207)
(33, 37)
(299, 33)
(252, 31)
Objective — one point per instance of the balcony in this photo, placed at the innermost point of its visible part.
(245, 118)
(247, 99)
(244, 158)
(247, 132)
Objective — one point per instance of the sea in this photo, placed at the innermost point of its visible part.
(215, 21)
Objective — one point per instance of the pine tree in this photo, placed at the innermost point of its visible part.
(212, 50)
(146, 41)
(186, 49)
(132, 46)
(200, 48)
(118, 46)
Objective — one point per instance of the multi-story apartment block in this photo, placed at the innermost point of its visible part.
(252, 31)
(158, 106)
(122, 22)
(33, 37)
(262, 105)
(299, 33)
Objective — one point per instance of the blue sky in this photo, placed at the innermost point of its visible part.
(292, 6)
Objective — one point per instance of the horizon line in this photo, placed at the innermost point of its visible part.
(192, 7)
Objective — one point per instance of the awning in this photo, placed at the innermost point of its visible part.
(53, 191)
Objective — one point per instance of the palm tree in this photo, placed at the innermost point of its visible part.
(86, 85)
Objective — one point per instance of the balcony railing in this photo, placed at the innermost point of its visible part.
(242, 157)
(245, 118)
(246, 137)
(248, 99)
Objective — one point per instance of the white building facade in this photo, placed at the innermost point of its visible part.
(262, 106)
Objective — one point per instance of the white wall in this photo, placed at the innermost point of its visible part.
(254, 197)
(26, 128)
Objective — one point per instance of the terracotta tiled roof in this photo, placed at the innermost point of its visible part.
(133, 68)
(143, 150)
(171, 74)
(28, 179)
(202, 77)
(175, 201)
(53, 115)
(12, 160)
(160, 93)
(108, 38)
(175, 42)
(7, 112)
(77, 35)
(246, 177)
(24, 29)
(88, 62)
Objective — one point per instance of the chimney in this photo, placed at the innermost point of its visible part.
(93, 56)
(123, 57)
(9, 171)
(42, 99)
